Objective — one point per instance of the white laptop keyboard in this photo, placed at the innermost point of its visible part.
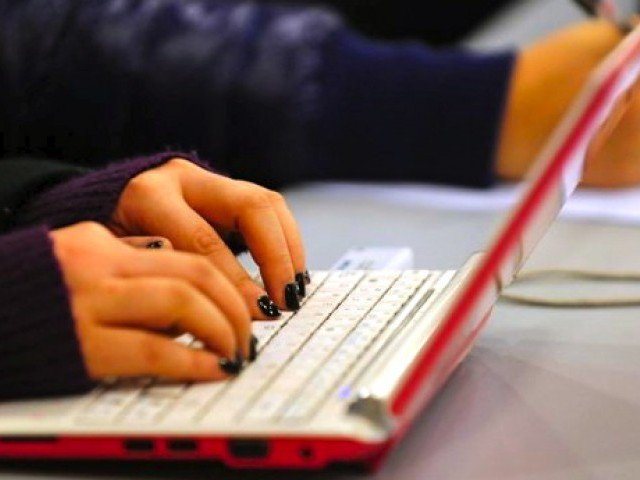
(303, 357)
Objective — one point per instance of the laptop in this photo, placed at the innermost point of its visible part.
(342, 379)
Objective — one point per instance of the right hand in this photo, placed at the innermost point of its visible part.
(126, 300)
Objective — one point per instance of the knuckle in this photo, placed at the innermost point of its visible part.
(179, 162)
(150, 354)
(111, 289)
(276, 197)
(253, 198)
(206, 241)
(201, 268)
(92, 229)
(180, 295)
(143, 183)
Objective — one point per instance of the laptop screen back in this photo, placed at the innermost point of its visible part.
(553, 178)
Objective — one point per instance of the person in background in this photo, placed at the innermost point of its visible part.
(268, 93)
(434, 22)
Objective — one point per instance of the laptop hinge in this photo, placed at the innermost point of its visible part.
(374, 410)
(386, 373)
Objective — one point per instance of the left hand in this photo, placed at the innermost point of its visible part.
(546, 78)
(195, 209)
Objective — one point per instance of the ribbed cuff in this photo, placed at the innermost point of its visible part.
(39, 349)
(92, 196)
(405, 112)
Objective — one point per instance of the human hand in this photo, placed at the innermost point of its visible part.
(546, 78)
(195, 209)
(126, 301)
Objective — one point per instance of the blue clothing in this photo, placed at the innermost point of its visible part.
(270, 93)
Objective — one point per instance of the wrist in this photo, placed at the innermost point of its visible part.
(89, 197)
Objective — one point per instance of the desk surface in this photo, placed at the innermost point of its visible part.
(545, 394)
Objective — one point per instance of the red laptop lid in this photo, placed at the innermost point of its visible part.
(552, 179)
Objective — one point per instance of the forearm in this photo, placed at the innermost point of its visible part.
(89, 196)
(272, 94)
(402, 111)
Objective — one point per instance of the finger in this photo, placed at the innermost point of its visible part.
(163, 304)
(260, 227)
(138, 353)
(245, 207)
(190, 232)
(293, 239)
(152, 243)
(202, 275)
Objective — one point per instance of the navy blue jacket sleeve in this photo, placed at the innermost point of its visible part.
(274, 94)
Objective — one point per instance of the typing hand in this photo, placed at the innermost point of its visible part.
(546, 78)
(127, 301)
(196, 209)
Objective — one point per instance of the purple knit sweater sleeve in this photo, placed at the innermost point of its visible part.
(39, 352)
(39, 349)
(92, 196)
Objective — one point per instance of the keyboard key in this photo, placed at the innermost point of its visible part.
(166, 389)
(146, 409)
(304, 357)
(190, 406)
(108, 405)
(267, 407)
(280, 349)
(185, 339)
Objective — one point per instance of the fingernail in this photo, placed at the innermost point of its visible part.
(307, 277)
(232, 367)
(253, 348)
(156, 244)
(267, 307)
(291, 296)
(302, 286)
(240, 359)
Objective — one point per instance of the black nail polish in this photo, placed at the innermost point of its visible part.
(240, 359)
(267, 307)
(156, 244)
(253, 348)
(307, 277)
(302, 286)
(291, 296)
(232, 367)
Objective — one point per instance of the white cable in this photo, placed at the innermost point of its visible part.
(576, 302)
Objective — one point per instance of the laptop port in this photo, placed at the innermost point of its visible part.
(182, 445)
(306, 453)
(138, 445)
(249, 448)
